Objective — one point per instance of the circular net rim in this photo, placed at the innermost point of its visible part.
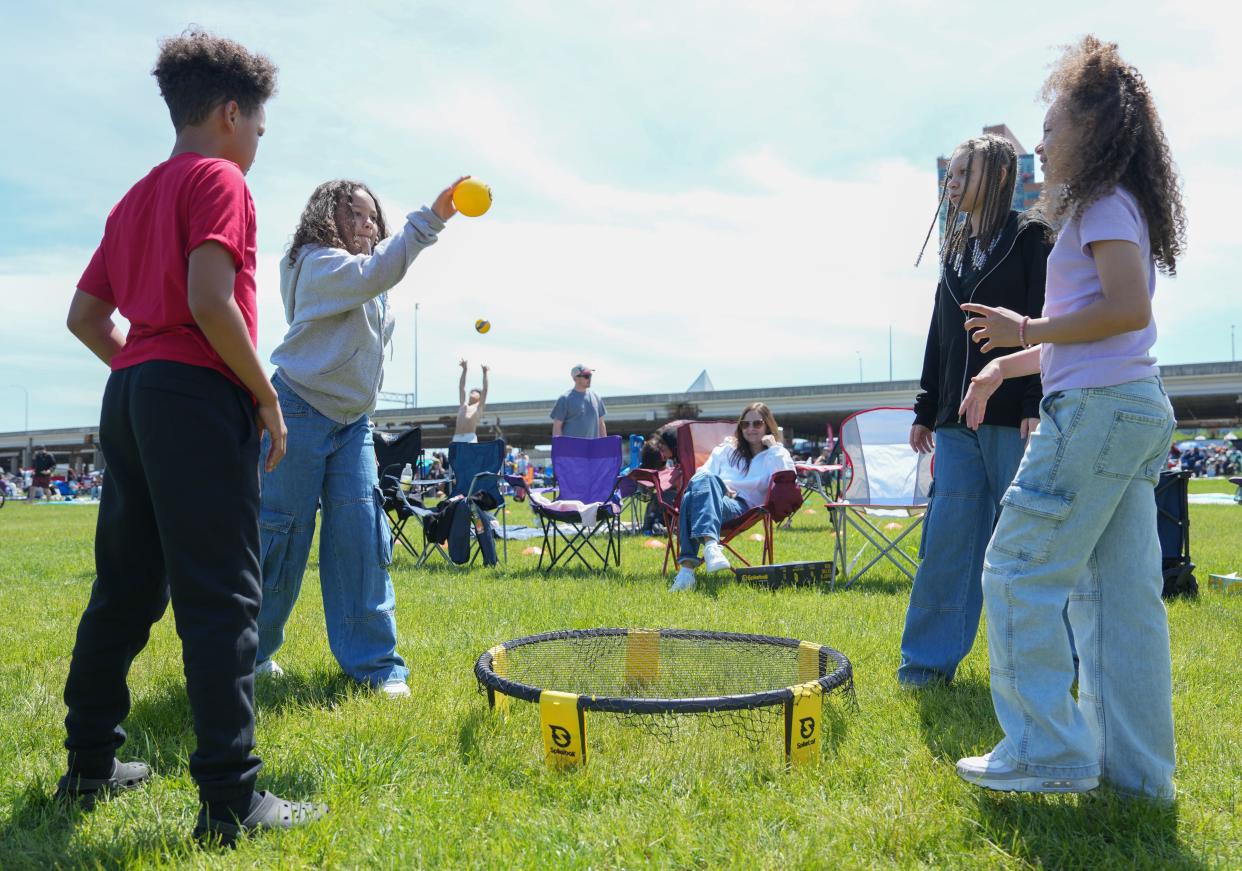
(841, 675)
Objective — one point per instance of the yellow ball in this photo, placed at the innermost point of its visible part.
(472, 198)
(482, 326)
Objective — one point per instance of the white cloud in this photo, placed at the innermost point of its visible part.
(737, 186)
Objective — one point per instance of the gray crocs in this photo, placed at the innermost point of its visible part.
(271, 812)
(85, 790)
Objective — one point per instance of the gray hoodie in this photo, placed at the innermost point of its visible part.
(336, 305)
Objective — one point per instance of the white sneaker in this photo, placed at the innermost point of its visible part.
(992, 773)
(714, 559)
(268, 669)
(395, 688)
(683, 581)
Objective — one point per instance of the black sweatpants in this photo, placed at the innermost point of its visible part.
(179, 518)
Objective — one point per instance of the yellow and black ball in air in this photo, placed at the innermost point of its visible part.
(482, 325)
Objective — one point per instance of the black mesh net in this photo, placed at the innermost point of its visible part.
(652, 678)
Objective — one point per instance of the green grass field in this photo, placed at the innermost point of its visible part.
(438, 781)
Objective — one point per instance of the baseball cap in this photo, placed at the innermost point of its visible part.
(580, 369)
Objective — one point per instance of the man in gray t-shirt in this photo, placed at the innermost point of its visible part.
(579, 412)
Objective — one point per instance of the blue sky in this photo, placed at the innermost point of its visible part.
(736, 186)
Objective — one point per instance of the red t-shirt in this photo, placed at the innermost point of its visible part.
(142, 262)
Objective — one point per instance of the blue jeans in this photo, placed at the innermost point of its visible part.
(1079, 528)
(973, 470)
(332, 465)
(705, 507)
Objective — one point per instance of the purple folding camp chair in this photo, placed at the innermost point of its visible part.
(586, 503)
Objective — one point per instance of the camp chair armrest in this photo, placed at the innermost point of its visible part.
(521, 489)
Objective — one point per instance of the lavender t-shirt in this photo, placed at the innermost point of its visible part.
(1074, 283)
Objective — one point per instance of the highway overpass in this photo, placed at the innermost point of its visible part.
(1203, 394)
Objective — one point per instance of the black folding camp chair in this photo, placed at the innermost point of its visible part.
(392, 452)
(1173, 529)
(400, 507)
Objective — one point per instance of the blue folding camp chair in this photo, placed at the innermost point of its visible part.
(478, 469)
(633, 497)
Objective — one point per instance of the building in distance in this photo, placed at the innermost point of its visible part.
(1025, 193)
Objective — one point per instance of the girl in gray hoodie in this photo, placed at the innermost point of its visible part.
(335, 282)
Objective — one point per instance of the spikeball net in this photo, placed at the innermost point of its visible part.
(651, 678)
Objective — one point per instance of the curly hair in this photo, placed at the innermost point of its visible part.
(1118, 140)
(997, 160)
(320, 223)
(197, 72)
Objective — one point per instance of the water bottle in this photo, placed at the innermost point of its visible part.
(407, 477)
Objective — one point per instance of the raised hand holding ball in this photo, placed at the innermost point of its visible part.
(471, 197)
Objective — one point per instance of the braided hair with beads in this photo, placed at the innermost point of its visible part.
(995, 160)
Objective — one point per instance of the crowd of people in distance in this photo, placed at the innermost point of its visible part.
(1207, 461)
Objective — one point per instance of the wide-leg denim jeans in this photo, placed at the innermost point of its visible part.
(973, 471)
(330, 465)
(1079, 527)
(705, 507)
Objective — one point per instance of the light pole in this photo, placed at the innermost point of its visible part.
(416, 355)
(29, 444)
(859, 353)
(1233, 356)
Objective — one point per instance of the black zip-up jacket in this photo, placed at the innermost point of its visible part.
(1013, 278)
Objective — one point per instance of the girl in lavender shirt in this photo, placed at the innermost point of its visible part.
(1078, 527)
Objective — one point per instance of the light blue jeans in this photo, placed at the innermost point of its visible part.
(973, 471)
(705, 507)
(330, 465)
(1079, 527)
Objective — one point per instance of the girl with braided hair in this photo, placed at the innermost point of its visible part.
(330, 365)
(990, 254)
(1079, 525)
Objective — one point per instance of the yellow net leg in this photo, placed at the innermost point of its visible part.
(564, 729)
(803, 724)
(499, 702)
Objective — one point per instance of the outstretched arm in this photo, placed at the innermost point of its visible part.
(483, 392)
(461, 385)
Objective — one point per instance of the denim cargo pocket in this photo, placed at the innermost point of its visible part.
(924, 533)
(1129, 444)
(1029, 521)
(383, 535)
(274, 534)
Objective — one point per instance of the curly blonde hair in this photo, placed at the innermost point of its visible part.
(1118, 140)
(320, 221)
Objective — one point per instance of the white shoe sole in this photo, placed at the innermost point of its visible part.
(1029, 783)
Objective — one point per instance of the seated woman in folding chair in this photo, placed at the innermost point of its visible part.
(996, 256)
(735, 478)
(335, 282)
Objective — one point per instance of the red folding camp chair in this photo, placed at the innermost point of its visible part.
(696, 439)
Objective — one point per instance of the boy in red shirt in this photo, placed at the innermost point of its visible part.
(178, 261)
